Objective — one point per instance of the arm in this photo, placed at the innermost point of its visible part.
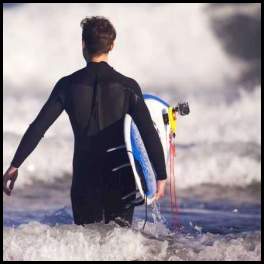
(46, 117)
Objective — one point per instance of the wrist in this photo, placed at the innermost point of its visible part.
(12, 168)
(162, 180)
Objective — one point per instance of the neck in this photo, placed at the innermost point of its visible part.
(100, 58)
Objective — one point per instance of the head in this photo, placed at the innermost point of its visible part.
(98, 36)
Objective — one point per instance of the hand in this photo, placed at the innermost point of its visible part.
(10, 175)
(160, 189)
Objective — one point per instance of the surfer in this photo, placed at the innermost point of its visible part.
(96, 99)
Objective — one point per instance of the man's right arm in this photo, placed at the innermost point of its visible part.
(46, 117)
(48, 114)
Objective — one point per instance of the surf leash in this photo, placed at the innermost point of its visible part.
(181, 109)
(172, 154)
(146, 212)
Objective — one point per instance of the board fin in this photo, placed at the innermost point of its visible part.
(137, 202)
(130, 194)
(121, 167)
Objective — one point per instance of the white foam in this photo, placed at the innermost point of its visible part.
(35, 241)
(213, 119)
(224, 169)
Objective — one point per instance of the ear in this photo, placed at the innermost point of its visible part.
(112, 46)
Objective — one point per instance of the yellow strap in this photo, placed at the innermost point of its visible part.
(172, 119)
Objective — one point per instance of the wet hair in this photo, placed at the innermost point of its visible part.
(98, 35)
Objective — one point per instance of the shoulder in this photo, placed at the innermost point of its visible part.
(75, 76)
(129, 83)
(68, 79)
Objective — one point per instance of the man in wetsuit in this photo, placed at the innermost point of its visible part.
(96, 98)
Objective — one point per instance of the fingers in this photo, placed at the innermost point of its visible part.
(6, 190)
(156, 197)
(159, 195)
(9, 177)
(12, 183)
(160, 190)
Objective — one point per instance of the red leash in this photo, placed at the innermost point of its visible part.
(173, 200)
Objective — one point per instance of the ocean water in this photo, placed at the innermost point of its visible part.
(218, 161)
(38, 225)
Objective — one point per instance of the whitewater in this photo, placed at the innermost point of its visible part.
(218, 161)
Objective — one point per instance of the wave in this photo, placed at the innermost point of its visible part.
(216, 144)
(35, 241)
(237, 164)
(175, 44)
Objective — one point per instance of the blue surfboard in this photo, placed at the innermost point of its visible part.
(143, 171)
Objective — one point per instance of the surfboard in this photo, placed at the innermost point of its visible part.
(143, 171)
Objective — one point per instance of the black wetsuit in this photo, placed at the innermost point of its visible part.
(96, 99)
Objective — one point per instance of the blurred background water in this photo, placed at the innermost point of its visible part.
(207, 54)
